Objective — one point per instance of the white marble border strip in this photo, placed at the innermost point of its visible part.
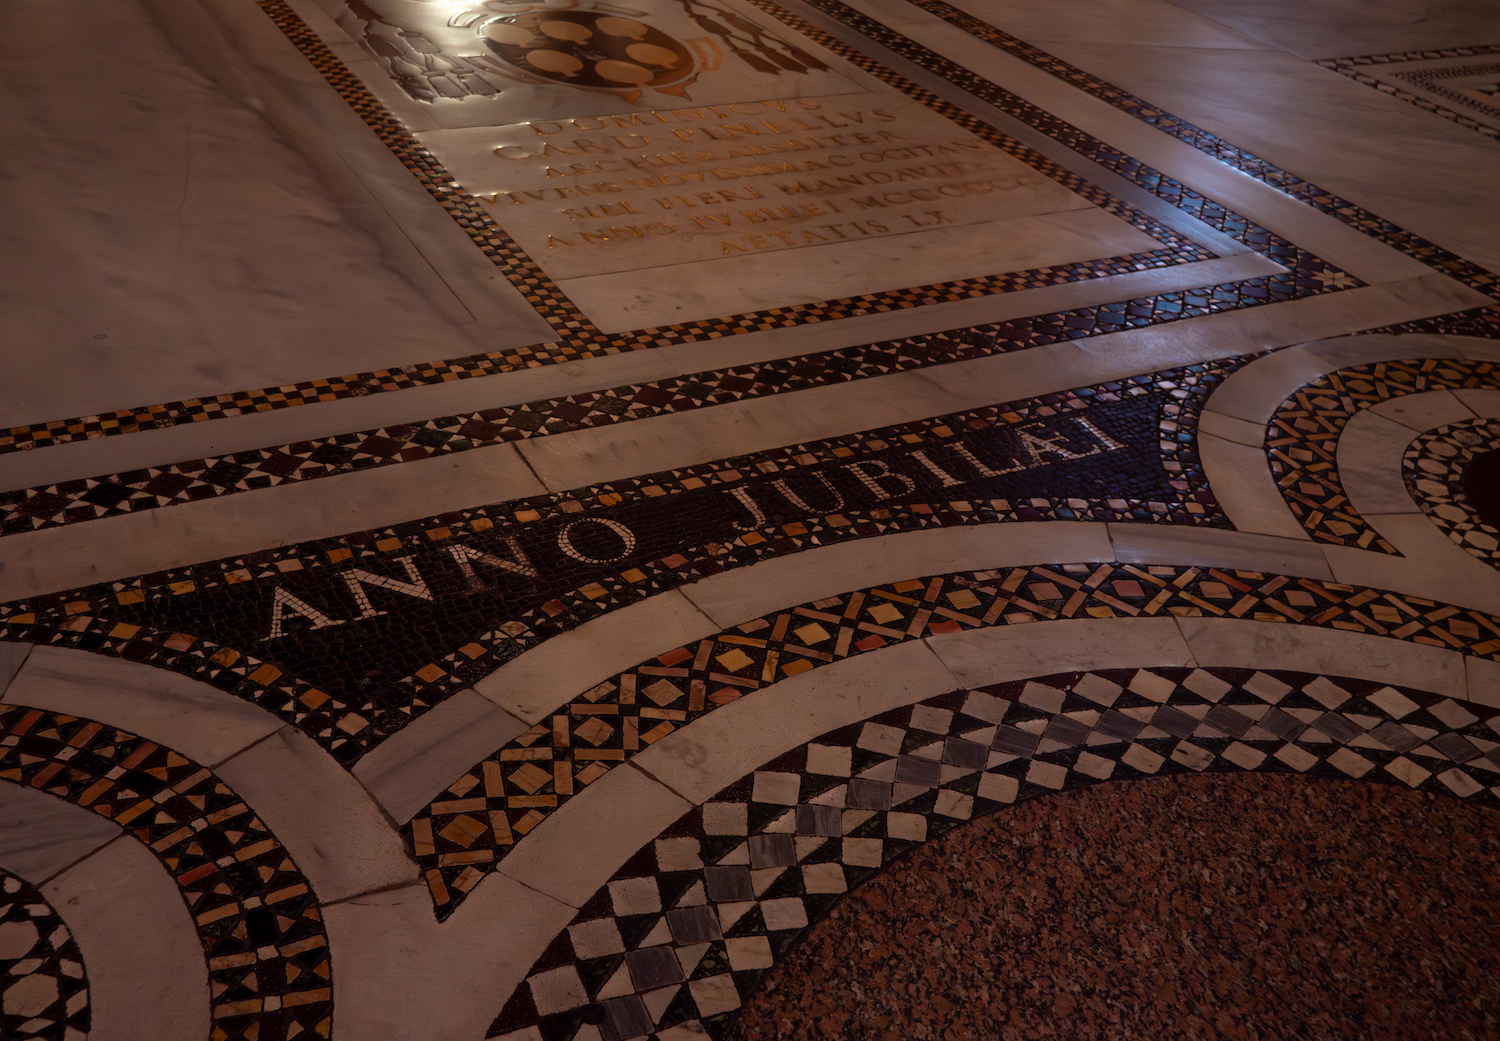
(333, 829)
(70, 556)
(416, 404)
(147, 977)
(511, 916)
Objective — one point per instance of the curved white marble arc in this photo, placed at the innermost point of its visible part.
(417, 762)
(407, 976)
(141, 952)
(334, 831)
(1232, 428)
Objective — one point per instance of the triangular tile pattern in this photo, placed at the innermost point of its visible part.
(673, 944)
(42, 977)
(256, 915)
(91, 618)
(1434, 467)
(1303, 436)
(468, 830)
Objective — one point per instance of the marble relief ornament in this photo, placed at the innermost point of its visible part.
(479, 51)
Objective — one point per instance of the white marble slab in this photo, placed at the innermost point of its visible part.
(1426, 411)
(535, 683)
(576, 849)
(42, 836)
(977, 657)
(1237, 643)
(146, 258)
(82, 554)
(1431, 565)
(399, 973)
(698, 760)
(1241, 480)
(1209, 547)
(1370, 453)
(760, 281)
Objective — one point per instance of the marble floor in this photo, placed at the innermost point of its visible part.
(457, 583)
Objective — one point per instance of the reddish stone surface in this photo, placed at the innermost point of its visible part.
(1221, 906)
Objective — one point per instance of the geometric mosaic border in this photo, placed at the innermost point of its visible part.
(1434, 467)
(46, 992)
(1303, 435)
(255, 913)
(479, 819)
(680, 937)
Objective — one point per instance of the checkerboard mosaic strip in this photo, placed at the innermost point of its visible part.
(255, 913)
(1309, 275)
(1303, 436)
(1433, 468)
(469, 829)
(1355, 69)
(1451, 264)
(679, 938)
(173, 619)
(44, 991)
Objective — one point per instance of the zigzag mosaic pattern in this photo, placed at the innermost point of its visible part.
(255, 913)
(468, 830)
(674, 944)
(1303, 436)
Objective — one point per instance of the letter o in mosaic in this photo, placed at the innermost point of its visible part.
(626, 536)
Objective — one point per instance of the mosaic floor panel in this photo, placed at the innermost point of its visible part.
(256, 915)
(679, 939)
(1302, 439)
(811, 503)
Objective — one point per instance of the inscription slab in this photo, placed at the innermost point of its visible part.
(686, 159)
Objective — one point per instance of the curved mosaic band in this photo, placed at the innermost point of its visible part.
(678, 939)
(255, 913)
(139, 618)
(1433, 469)
(1303, 435)
(470, 828)
(42, 976)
